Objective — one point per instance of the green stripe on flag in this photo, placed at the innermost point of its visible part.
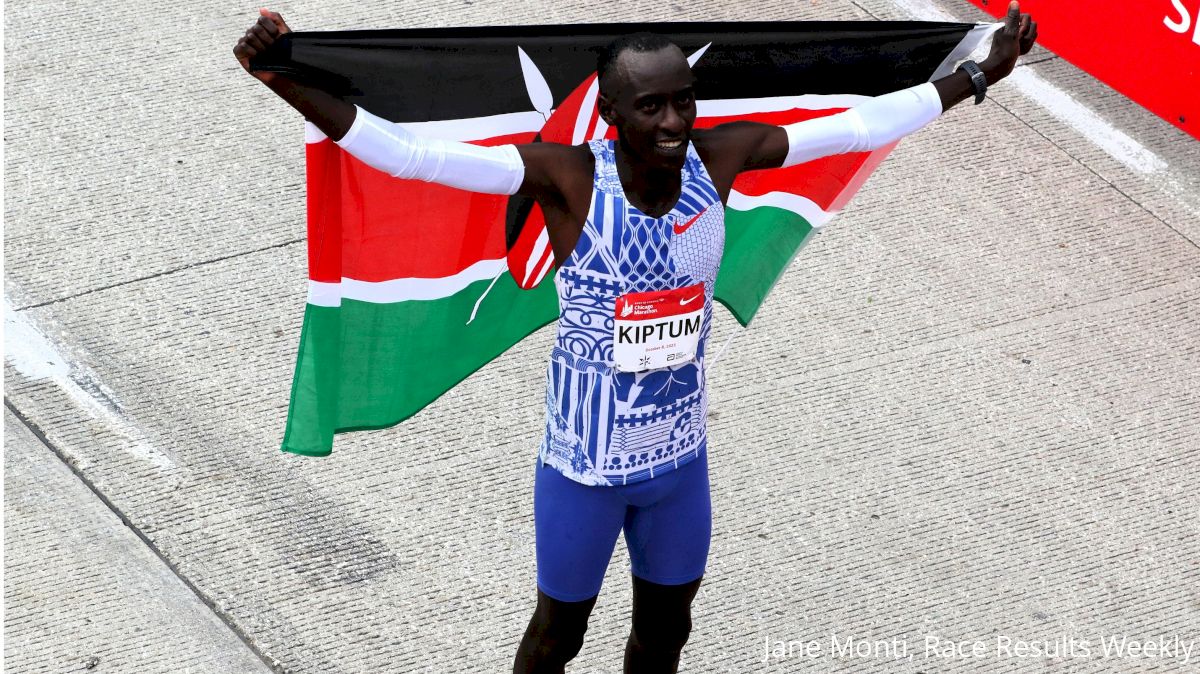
(760, 238)
(365, 365)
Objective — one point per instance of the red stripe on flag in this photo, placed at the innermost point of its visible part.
(373, 227)
(823, 181)
(871, 161)
(400, 228)
(322, 177)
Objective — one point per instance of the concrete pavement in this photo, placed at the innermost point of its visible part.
(969, 412)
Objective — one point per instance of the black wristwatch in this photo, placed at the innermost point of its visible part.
(978, 80)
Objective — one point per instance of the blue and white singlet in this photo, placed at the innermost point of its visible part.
(605, 426)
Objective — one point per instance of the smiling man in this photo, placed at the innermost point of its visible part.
(637, 231)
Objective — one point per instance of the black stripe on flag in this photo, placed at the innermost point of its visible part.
(417, 75)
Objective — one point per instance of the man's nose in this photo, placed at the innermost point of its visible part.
(672, 121)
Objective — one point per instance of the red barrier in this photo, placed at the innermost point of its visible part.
(1148, 50)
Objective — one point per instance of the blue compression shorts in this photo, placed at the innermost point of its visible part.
(667, 522)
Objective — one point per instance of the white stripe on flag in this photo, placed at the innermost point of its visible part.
(742, 106)
(324, 294)
(805, 208)
(964, 48)
(478, 128)
(472, 128)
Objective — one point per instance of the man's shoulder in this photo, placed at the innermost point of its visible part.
(556, 171)
(722, 135)
(561, 156)
(721, 141)
(578, 161)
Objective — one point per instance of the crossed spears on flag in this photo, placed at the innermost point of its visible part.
(576, 120)
(532, 246)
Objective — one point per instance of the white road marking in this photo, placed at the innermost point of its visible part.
(33, 355)
(1057, 102)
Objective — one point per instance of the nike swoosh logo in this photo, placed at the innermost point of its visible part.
(681, 229)
(685, 302)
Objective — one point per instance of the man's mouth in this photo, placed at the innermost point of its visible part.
(669, 145)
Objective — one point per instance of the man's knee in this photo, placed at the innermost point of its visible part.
(555, 633)
(662, 615)
(663, 636)
(560, 640)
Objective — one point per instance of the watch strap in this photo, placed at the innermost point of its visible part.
(978, 79)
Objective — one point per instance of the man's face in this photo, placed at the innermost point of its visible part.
(649, 98)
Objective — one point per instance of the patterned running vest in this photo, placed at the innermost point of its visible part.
(605, 426)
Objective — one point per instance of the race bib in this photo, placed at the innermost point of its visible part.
(656, 329)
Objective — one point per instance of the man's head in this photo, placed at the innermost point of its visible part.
(647, 94)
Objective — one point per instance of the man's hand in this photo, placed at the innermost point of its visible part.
(256, 40)
(1013, 40)
(330, 114)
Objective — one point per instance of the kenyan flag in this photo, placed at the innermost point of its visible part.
(414, 286)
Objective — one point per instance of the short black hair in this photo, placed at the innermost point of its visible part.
(639, 42)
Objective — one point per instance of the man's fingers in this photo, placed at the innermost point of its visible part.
(254, 41)
(280, 23)
(259, 36)
(244, 53)
(1013, 19)
(268, 25)
(262, 34)
(278, 20)
(1030, 38)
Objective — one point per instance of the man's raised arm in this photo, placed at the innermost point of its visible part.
(387, 146)
(880, 120)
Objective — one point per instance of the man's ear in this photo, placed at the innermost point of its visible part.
(604, 103)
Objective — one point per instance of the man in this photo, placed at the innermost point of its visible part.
(637, 228)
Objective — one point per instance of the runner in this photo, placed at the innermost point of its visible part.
(637, 231)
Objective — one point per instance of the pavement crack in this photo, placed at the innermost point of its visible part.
(38, 433)
(864, 9)
(161, 273)
(1096, 173)
(1049, 57)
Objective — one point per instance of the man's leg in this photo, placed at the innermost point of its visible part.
(667, 529)
(662, 621)
(576, 527)
(554, 635)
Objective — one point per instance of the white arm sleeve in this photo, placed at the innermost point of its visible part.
(867, 126)
(400, 153)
